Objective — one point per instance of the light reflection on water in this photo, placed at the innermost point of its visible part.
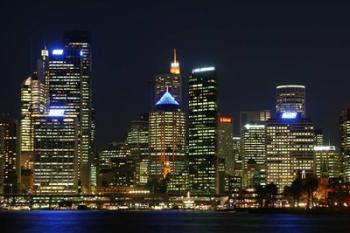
(168, 222)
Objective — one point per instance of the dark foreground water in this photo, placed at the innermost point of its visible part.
(168, 222)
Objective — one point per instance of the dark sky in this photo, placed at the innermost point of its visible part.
(254, 46)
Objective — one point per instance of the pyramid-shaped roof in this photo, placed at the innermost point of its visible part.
(167, 99)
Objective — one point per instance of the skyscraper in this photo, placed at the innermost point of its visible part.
(225, 143)
(32, 102)
(69, 88)
(203, 121)
(9, 159)
(254, 153)
(56, 153)
(137, 141)
(167, 159)
(290, 98)
(171, 81)
(345, 143)
(289, 148)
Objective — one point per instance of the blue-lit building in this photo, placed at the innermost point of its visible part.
(167, 145)
(69, 88)
(202, 126)
(289, 148)
(291, 98)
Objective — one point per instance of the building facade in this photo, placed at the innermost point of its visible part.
(289, 148)
(69, 88)
(344, 122)
(254, 154)
(9, 156)
(56, 141)
(167, 145)
(327, 162)
(137, 141)
(203, 120)
(290, 98)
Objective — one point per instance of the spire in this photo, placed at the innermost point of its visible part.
(174, 55)
(175, 65)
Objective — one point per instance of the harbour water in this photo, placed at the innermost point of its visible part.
(169, 222)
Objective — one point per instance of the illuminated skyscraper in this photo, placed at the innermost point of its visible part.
(345, 143)
(171, 80)
(290, 98)
(289, 148)
(167, 159)
(32, 102)
(238, 168)
(254, 154)
(56, 153)
(327, 162)
(137, 141)
(9, 159)
(203, 122)
(69, 88)
(225, 143)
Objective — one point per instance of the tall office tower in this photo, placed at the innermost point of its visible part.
(203, 121)
(32, 102)
(253, 142)
(327, 162)
(9, 167)
(319, 141)
(56, 153)
(171, 80)
(137, 141)
(289, 148)
(290, 98)
(247, 117)
(167, 144)
(344, 121)
(69, 86)
(238, 168)
(225, 143)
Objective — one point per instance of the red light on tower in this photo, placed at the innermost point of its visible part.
(225, 119)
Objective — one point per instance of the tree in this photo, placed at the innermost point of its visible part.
(271, 192)
(296, 189)
(310, 185)
(261, 195)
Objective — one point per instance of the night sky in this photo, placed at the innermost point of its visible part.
(254, 46)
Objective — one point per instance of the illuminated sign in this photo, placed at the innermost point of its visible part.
(225, 120)
(204, 69)
(289, 115)
(57, 52)
(56, 112)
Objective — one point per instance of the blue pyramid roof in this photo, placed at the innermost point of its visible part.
(167, 99)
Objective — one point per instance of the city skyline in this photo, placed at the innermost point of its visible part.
(255, 55)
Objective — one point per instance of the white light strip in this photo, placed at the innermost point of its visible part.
(323, 148)
(204, 69)
(290, 86)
